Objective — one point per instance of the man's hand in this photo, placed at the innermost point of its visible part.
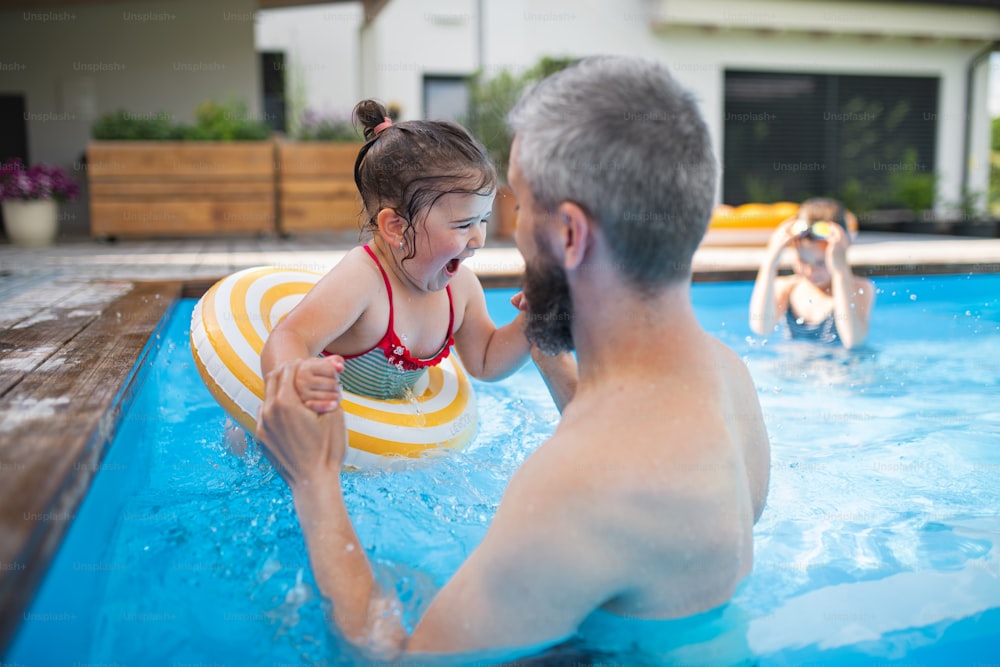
(300, 443)
(317, 380)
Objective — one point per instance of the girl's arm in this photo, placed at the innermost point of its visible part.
(852, 296)
(488, 352)
(765, 308)
(328, 310)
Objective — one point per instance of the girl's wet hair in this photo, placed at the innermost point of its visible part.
(409, 166)
(823, 208)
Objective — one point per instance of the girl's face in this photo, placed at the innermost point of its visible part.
(810, 261)
(451, 231)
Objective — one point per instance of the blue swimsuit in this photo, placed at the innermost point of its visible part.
(824, 332)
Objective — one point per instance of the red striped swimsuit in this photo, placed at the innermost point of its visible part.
(388, 369)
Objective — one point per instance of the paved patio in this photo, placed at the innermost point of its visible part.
(79, 260)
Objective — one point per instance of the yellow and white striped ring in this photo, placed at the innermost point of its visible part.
(228, 329)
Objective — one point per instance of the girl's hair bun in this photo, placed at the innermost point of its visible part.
(369, 114)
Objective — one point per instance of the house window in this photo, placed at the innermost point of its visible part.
(13, 128)
(866, 140)
(446, 97)
(272, 69)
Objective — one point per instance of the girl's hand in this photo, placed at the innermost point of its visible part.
(782, 235)
(304, 446)
(836, 250)
(519, 302)
(317, 381)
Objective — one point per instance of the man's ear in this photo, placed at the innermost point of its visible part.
(391, 226)
(573, 225)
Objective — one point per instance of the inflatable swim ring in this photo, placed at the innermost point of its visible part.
(228, 329)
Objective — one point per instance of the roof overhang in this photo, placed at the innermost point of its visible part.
(372, 7)
(914, 19)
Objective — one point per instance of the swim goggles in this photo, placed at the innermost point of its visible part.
(820, 231)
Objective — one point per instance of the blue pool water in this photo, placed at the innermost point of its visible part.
(879, 543)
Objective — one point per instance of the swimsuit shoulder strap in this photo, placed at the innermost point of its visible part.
(449, 339)
(388, 288)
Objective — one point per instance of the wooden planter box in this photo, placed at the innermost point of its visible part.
(191, 188)
(316, 190)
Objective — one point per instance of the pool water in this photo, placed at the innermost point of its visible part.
(879, 543)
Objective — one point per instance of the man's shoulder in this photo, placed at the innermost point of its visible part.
(566, 476)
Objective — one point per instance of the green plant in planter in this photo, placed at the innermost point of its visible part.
(315, 127)
(860, 197)
(229, 122)
(214, 121)
(490, 99)
(915, 190)
(121, 125)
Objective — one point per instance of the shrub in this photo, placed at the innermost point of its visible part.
(213, 122)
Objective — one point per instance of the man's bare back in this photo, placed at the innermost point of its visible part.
(668, 468)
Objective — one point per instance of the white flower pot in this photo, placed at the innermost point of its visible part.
(31, 223)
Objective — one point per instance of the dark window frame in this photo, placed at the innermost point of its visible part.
(450, 78)
(869, 140)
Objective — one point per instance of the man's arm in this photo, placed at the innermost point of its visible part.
(540, 570)
(560, 373)
(308, 450)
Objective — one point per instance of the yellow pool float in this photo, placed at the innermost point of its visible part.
(753, 224)
(235, 316)
(749, 224)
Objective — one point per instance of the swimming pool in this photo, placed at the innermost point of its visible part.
(878, 543)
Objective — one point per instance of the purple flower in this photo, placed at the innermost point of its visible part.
(43, 181)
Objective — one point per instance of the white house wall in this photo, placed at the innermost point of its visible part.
(981, 139)
(415, 38)
(321, 49)
(699, 40)
(699, 54)
(73, 64)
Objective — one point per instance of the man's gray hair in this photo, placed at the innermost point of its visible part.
(622, 139)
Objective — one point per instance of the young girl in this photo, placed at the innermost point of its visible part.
(395, 306)
(822, 300)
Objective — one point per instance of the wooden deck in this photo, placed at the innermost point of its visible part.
(68, 365)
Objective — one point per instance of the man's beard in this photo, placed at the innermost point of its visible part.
(550, 310)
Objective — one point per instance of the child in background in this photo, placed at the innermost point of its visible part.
(394, 307)
(822, 300)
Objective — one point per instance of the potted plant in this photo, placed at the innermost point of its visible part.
(30, 200)
(316, 190)
(490, 100)
(150, 176)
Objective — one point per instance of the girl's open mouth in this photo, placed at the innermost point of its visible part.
(451, 268)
